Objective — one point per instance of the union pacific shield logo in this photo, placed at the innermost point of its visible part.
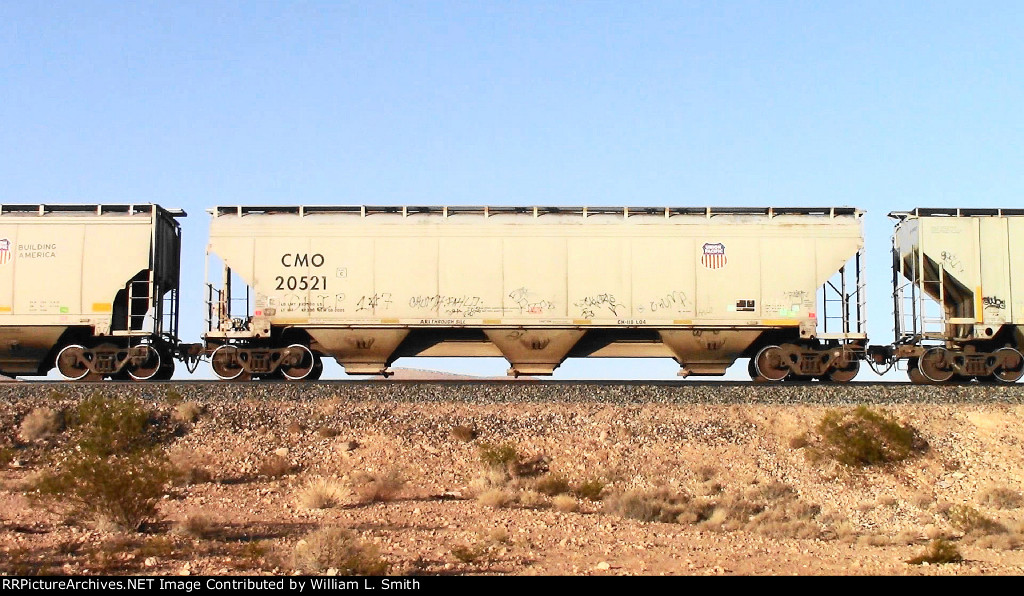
(5, 251)
(714, 255)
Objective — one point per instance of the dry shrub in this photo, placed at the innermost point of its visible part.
(590, 489)
(197, 526)
(695, 512)
(565, 503)
(1000, 541)
(496, 498)
(500, 456)
(908, 537)
(1001, 497)
(939, 552)
(187, 412)
(121, 489)
(482, 549)
(734, 511)
(552, 485)
(773, 491)
(528, 468)
(531, 499)
(789, 519)
(107, 426)
(275, 466)
(487, 480)
(41, 423)
(248, 555)
(468, 554)
(498, 535)
(338, 552)
(969, 520)
(463, 433)
(507, 458)
(504, 471)
(660, 505)
(865, 437)
(772, 509)
(874, 540)
(373, 487)
(115, 472)
(322, 493)
(186, 471)
(295, 427)
(845, 533)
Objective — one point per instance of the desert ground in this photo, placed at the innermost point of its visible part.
(482, 479)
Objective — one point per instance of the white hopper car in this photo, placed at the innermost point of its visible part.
(958, 295)
(535, 285)
(90, 289)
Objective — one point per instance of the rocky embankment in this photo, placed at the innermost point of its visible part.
(529, 478)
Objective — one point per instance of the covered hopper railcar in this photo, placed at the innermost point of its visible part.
(90, 289)
(958, 294)
(535, 285)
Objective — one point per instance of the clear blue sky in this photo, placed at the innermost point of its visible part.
(879, 105)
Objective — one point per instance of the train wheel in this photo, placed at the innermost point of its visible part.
(71, 363)
(224, 361)
(752, 371)
(770, 364)
(147, 369)
(318, 369)
(1012, 367)
(844, 374)
(914, 372)
(937, 365)
(302, 363)
(166, 371)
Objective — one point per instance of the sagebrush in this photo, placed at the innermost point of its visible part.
(647, 506)
(590, 489)
(121, 489)
(337, 551)
(372, 487)
(108, 426)
(115, 473)
(322, 493)
(1001, 497)
(969, 520)
(865, 437)
(939, 552)
(501, 456)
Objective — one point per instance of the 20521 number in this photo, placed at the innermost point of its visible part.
(302, 282)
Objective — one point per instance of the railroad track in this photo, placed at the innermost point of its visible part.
(513, 391)
(490, 382)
